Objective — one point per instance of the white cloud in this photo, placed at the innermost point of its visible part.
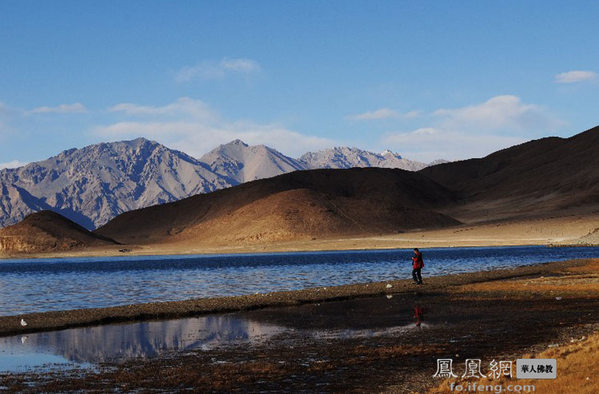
(217, 70)
(240, 65)
(575, 76)
(193, 127)
(475, 130)
(384, 113)
(411, 114)
(505, 112)
(428, 144)
(183, 107)
(12, 164)
(60, 109)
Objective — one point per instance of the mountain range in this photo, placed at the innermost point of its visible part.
(541, 179)
(92, 185)
(533, 182)
(345, 157)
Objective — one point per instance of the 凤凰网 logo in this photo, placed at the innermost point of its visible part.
(535, 368)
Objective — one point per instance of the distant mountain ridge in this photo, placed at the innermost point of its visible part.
(241, 163)
(94, 184)
(346, 157)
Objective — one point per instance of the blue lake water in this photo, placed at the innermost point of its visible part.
(61, 284)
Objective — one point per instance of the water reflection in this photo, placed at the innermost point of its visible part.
(369, 332)
(418, 315)
(126, 341)
(85, 347)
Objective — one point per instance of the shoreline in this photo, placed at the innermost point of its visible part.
(336, 246)
(57, 320)
(570, 231)
(341, 245)
(243, 252)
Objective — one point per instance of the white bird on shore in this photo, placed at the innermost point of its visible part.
(389, 285)
(23, 322)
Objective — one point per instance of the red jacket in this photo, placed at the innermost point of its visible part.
(417, 261)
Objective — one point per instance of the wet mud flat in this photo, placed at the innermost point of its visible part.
(376, 343)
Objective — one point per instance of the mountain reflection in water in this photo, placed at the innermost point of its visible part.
(126, 341)
(84, 347)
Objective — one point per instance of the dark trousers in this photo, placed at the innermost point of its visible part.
(416, 275)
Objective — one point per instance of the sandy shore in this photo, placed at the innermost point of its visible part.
(569, 230)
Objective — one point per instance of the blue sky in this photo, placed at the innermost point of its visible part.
(426, 79)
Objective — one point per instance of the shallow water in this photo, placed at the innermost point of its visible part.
(60, 284)
(89, 346)
(82, 347)
(316, 331)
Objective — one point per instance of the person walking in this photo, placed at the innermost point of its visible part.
(417, 265)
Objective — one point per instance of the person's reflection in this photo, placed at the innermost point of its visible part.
(418, 315)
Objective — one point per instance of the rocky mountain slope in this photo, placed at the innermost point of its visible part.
(94, 184)
(552, 176)
(238, 162)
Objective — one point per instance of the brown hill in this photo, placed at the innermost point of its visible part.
(550, 176)
(302, 204)
(47, 231)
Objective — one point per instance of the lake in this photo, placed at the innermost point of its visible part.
(38, 285)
